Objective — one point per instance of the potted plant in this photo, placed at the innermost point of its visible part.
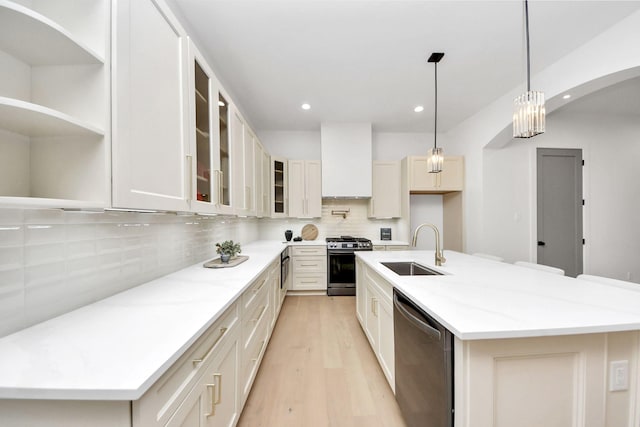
(227, 250)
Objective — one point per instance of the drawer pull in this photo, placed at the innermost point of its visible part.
(309, 281)
(259, 351)
(212, 387)
(222, 332)
(256, 290)
(308, 265)
(259, 315)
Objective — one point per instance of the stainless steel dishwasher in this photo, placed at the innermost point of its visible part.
(424, 366)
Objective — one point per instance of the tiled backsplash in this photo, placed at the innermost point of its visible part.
(356, 223)
(53, 261)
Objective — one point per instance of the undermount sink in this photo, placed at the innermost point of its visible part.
(410, 268)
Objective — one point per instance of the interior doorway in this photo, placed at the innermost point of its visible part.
(559, 194)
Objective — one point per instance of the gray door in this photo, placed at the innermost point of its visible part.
(560, 209)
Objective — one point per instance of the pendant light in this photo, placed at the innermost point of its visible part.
(529, 110)
(435, 159)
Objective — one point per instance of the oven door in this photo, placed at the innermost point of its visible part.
(341, 269)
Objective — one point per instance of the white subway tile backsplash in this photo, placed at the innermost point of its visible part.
(53, 261)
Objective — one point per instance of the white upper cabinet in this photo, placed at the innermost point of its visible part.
(54, 104)
(450, 179)
(262, 181)
(152, 164)
(305, 188)
(279, 190)
(387, 185)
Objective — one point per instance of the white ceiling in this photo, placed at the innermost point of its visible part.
(366, 60)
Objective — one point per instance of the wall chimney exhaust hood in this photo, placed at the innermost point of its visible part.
(346, 150)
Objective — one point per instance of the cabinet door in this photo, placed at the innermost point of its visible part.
(361, 299)
(296, 188)
(203, 167)
(248, 169)
(266, 183)
(150, 140)
(258, 199)
(450, 179)
(222, 144)
(419, 177)
(214, 399)
(279, 184)
(371, 320)
(386, 200)
(237, 168)
(386, 346)
(452, 175)
(313, 181)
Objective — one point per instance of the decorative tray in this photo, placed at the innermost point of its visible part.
(216, 263)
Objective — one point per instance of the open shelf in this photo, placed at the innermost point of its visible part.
(37, 40)
(30, 119)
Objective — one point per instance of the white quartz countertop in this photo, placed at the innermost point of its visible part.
(116, 348)
(483, 299)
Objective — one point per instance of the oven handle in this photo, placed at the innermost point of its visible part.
(418, 323)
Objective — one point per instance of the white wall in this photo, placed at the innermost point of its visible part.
(611, 57)
(611, 149)
(298, 145)
(426, 208)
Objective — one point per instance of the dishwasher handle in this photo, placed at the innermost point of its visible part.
(418, 323)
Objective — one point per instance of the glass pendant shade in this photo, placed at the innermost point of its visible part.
(529, 115)
(435, 160)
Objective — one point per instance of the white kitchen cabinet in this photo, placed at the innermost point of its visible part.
(279, 184)
(387, 185)
(54, 104)
(305, 188)
(256, 324)
(213, 402)
(309, 268)
(203, 378)
(151, 157)
(374, 306)
(262, 172)
(242, 151)
(450, 179)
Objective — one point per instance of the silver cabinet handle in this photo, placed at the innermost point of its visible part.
(256, 290)
(219, 398)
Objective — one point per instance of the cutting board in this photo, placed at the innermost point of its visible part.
(309, 232)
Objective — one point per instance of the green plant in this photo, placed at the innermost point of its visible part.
(228, 247)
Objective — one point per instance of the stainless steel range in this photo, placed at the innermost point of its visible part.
(341, 263)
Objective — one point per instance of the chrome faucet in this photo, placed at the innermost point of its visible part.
(440, 259)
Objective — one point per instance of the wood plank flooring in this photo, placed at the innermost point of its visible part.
(320, 371)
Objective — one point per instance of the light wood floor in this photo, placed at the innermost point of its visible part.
(320, 371)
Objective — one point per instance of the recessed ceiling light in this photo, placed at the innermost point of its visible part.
(306, 106)
(419, 109)
(567, 96)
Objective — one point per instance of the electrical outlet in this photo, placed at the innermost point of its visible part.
(619, 375)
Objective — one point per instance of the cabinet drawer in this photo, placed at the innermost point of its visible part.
(309, 250)
(255, 316)
(249, 296)
(309, 282)
(397, 248)
(310, 264)
(251, 357)
(163, 398)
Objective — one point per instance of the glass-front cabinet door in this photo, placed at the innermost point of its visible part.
(279, 187)
(209, 147)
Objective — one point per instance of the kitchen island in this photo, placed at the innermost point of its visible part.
(530, 348)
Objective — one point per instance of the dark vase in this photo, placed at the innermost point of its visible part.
(288, 235)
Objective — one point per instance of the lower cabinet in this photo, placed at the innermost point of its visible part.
(309, 268)
(374, 309)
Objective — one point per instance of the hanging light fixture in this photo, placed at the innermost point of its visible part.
(436, 155)
(529, 110)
